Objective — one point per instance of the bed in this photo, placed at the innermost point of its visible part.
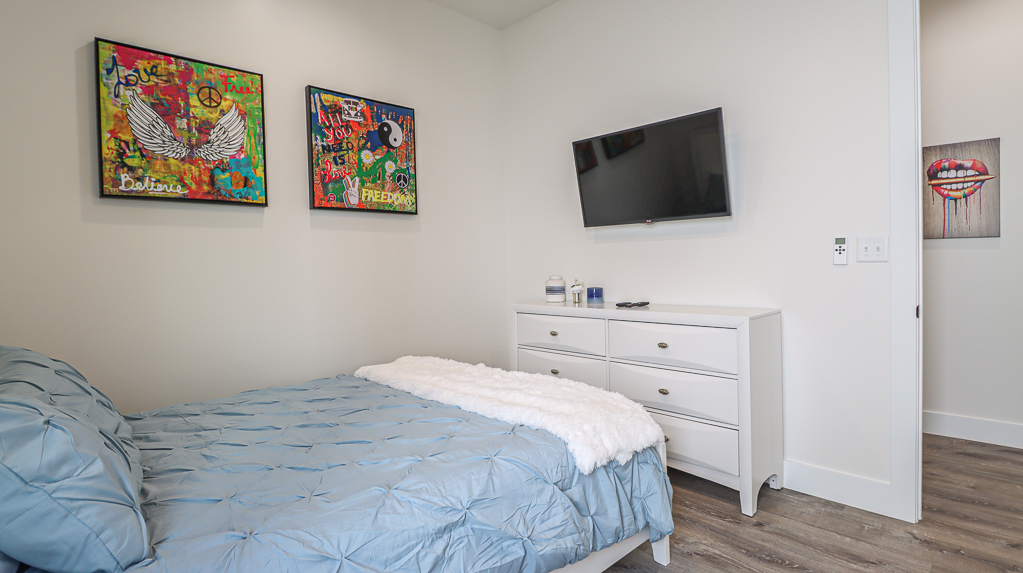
(338, 475)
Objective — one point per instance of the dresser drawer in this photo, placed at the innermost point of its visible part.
(589, 370)
(585, 335)
(700, 347)
(701, 444)
(707, 397)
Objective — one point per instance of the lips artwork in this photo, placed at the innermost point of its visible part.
(961, 181)
(955, 179)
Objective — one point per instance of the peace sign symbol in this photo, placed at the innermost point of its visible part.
(401, 180)
(209, 96)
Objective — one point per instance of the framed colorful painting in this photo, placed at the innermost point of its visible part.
(178, 129)
(962, 195)
(362, 153)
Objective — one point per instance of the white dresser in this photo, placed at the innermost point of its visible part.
(711, 377)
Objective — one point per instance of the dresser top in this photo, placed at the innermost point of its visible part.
(707, 315)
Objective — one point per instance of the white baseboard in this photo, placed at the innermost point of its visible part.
(976, 429)
(875, 496)
(847, 489)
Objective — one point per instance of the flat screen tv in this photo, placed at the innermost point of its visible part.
(673, 169)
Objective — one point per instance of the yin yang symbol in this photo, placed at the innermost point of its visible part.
(390, 134)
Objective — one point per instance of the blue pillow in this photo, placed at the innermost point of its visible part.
(56, 383)
(69, 473)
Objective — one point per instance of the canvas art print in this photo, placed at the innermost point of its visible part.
(178, 129)
(961, 190)
(362, 153)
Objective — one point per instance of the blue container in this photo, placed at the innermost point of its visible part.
(595, 295)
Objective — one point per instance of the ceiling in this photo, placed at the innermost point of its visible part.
(496, 13)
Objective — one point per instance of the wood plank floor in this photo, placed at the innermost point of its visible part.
(972, 522)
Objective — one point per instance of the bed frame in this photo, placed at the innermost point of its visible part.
(601, 560)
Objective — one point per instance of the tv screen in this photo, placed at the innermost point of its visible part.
(674, 169)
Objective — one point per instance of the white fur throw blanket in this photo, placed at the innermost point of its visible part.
(598, 426)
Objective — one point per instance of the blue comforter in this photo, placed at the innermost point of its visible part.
(345, 475)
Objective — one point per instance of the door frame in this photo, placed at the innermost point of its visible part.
(905, 256)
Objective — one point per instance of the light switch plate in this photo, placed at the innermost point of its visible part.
(872, 249)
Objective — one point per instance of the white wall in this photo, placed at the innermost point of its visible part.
(159, 303)
(972, 287)
(804, 87)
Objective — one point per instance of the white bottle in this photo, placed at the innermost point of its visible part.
(555, 289)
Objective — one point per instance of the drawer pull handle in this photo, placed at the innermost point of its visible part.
(666, 439)
(662, 345)
(554, 333)
(555, 371)
(663, 391)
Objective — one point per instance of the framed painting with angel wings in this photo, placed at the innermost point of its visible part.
(178, 129)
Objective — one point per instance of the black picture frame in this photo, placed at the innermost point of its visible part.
(361, 153)
(173, 128)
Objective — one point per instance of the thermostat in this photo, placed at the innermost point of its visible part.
(841, 250)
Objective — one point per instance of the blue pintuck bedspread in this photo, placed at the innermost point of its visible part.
(345, 475)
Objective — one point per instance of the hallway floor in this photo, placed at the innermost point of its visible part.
(972, 522)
